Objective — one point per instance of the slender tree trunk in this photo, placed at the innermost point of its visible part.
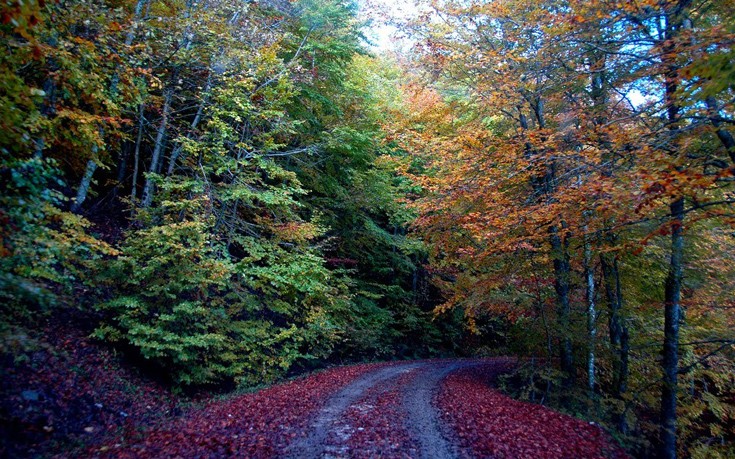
(618, 330)
(121, 169)
(616, 326)
(672, 313)
(164, 145)
(623, 379)
(670, 365)
(560, 254)
(197, 118)
(136, 156)
(129, 37)
(549, 345)
(47, 106)
(545, 186)
(92, 164)
(561, 285)
(40, 144)
(157, 149)
(589, 274)
(674, 21)
(84, 185)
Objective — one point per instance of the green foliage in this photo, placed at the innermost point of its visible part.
(357, 197)
(225, 283)
(271, 236)
(43, 250)
(168, 306)
(183, 303)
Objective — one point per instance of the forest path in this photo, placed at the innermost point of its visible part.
(389, 412)
(413, 409)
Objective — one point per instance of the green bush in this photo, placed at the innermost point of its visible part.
(182, 303)
(44, 251)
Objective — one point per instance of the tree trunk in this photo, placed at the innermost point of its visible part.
(723, 134)
(623, 378)
(672, 314)
(549, 344)
(618, 330)
(47, 106)
(157, 149)
(560, 256)
(197, 118)
(136, 156)
(84, 185)
(91, 164)
(121, 169)
(674, 21)
(616, 326)
(129, 37)
(589, 274)
(545, 186)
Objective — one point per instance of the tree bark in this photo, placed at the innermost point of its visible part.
(136, 156)
(672, 313)
(545, 186)
(121, 169)
(616, 326)
(148, 188)
(129, 37)
(589, 274)
(723, 134)
(84, 185)
(560, 256)
(47, 107)
(197, 118)
(674, 21)
(91, 164)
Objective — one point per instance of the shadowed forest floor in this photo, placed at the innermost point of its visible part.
(78, 401)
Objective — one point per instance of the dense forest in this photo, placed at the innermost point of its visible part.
(233, 192)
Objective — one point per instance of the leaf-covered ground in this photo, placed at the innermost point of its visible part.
(71, 398)
(490, 424)
(375, 417)
(426, 409)
(257, 425)
(60, 389)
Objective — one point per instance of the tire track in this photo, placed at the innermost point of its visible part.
(422, 418)
(316, 443)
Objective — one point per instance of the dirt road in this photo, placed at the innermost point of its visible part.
(402, 394)
(419, 409)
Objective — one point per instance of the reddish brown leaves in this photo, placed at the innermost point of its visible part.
(70, 391)
(260, 424)
(377, 422)
(492, 425)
